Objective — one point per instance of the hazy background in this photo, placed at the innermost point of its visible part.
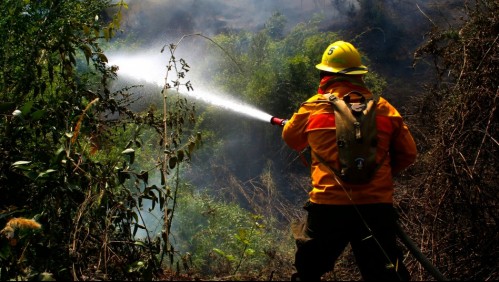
(387, 31)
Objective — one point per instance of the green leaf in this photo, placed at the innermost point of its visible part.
(103, 57)
(46, 276)
(87, 50)
(136, 266)
(131, 153)
(26, 108)
(180, 155)
(249, 252)
(191, 146)
(138, 144)
(20, 163)
(37, 115)
(30, 174)
(122, 176)
(230, 257)
(144, 176)
(128, 151)
(48, 171)
(218, 251)
(242, 235)
(135, 228)
(140, 243)
(58, 156)
(135, 216)
(172, 162)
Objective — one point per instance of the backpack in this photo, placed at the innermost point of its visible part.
(356, 137)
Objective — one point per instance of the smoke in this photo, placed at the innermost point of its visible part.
(174, 18)
(150, 24)
(154, 23)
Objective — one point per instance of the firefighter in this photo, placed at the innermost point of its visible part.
(338, 212)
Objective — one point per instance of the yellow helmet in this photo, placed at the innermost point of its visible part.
(342, 57)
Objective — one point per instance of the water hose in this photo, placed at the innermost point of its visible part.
(416, 252)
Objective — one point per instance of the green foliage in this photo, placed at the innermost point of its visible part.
(225, 239)
(278, 72)
(375, 83)
(71, 145)
(275, 25)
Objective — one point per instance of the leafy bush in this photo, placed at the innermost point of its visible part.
(222, 239)
(66, 163)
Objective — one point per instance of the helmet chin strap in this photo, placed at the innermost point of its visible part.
(347, 70)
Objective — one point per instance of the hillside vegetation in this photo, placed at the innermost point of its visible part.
(451, 204)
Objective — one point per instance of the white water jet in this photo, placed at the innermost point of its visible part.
(228, 104)
(148, 68)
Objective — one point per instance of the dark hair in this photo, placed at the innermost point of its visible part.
(323, 74)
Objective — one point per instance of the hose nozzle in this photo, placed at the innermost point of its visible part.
(278, 121)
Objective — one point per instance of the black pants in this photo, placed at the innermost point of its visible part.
(327, 231)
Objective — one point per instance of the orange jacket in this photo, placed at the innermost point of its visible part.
(314, 126)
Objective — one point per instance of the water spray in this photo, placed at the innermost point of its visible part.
(146, 67)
